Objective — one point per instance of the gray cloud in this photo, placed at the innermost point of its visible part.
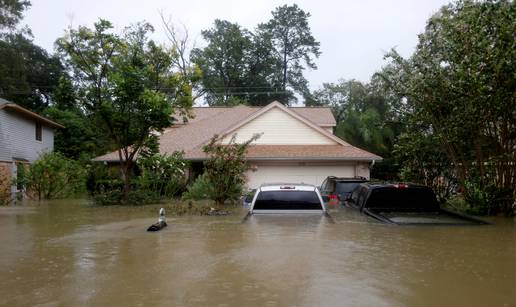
(354, 35)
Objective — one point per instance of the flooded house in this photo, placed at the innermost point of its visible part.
(297, 144)
(24, 135)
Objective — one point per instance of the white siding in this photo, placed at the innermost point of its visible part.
(280, 128)
(18, 138)
(291, 172)
(5, 152)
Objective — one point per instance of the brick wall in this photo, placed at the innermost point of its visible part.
(5, 182)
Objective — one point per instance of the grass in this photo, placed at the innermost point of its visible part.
(180, 207)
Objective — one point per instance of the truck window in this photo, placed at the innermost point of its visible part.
(403, 198)
(346, 187)
(287, 200)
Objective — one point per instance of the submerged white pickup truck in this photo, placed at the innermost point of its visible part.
(287, 198)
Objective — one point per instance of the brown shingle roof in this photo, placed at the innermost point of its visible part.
(321, 116)
(300, 152)
(191, 137)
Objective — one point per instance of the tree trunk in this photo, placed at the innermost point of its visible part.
(125, 167)
(284, 69)
(127, 180)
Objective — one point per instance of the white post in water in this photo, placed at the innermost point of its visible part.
(161, 218)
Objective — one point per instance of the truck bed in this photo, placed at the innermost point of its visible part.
(437, 217)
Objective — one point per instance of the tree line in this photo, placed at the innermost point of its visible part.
(444, 117)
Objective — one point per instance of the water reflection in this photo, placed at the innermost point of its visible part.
(66, 253)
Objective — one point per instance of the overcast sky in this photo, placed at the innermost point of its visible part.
(354, 35)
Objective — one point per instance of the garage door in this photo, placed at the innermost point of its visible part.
(310, 174)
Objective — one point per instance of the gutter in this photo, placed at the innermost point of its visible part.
(15, 107)
(301, 159)
(275, 159)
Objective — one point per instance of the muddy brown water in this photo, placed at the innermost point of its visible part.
(67, 253)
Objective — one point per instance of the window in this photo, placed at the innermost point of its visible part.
(38, 131)
(407, 198)
(323, 185)
(287, 200)
(20, 176)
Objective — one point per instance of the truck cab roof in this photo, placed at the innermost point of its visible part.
(286, 186)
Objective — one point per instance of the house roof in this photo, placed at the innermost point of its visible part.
(278, 105)
(192, 136)
(298, 152)
(5, 104)
(322, 116)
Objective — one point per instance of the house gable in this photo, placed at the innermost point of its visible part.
(18, 138)
(280, 127)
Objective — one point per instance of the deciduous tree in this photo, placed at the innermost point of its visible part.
(225, 167)
(460, 82)
(127, 82)
(294, 46)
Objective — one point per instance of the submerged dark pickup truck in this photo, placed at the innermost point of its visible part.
(404, 204)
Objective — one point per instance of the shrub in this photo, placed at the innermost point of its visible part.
(103, 178)
(163, 174)
(159, 176)
(201, 188)
(423, 162)
(134, 198)
(487, 198)
(225, 168)
(5, 190)
(53, 176)
(108, 198)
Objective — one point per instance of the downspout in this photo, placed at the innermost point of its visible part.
(371, 165)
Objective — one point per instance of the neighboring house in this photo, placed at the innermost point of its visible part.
(297, 143)
(24, 135)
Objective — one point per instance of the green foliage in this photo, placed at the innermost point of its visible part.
(366, 118)
(5, 191)
(133, 198)
(53, 176)
(237, 65)
(223, 61)
(457, 203)
(201, 188)
(11, 12)
(487, 199)
(81, 138)
(241, 66)
(29, 74)
(225, 168)
(294, 46)
(460, 85)
(102, 178)
(423, 161)
(127, 83)
(163, 174)
(160, 177)
(108, 198)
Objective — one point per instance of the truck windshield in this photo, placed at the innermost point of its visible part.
(287, 200)
(418, 199)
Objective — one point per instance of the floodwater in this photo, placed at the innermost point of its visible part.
(67, 253)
